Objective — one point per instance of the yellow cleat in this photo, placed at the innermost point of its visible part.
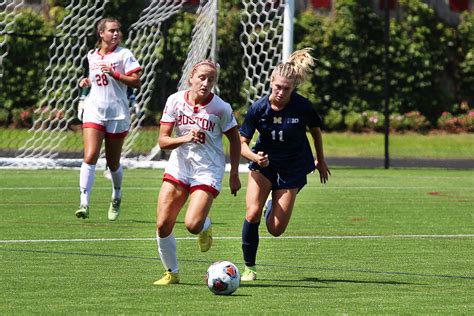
(168, 278)
(205, 239)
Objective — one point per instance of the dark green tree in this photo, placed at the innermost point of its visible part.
(419, 52)
(127, 11)
(24, 66)
(349, 49)
(465, 78)
(431, 64)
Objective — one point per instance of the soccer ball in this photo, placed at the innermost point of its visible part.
(223, 278)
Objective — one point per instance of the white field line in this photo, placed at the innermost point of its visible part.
(18, 241)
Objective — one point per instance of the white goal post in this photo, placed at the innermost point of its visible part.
(266, 40)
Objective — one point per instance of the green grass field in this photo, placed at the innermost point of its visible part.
(368, 242)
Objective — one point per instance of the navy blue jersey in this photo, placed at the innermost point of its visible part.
(283, 133)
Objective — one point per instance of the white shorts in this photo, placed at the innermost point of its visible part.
(111, 128)
(183, 173)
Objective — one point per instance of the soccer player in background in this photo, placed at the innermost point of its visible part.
(195, 168)
(282, 156)
(112, 69)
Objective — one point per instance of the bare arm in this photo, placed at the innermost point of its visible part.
(234, 181)
(260, 158)
(166, 141)
(132, 80)
(323, 169)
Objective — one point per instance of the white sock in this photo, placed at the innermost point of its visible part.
(86, 180)
(167, 252)
(117, 177)
(206, 225)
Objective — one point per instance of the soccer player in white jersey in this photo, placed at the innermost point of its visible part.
(112, 69)
(195, 168)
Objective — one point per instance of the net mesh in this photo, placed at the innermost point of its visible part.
(60, 90)
(201, 40)
(144, 36)
(262, 41)
(47, 147)
(7, 25)
(149, 31)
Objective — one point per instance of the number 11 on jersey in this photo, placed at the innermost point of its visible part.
(280, 135)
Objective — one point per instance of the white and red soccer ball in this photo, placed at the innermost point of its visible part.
(223, 278)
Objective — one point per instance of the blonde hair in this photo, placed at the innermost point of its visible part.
(101, 27)
(296, 68)
(203, 62)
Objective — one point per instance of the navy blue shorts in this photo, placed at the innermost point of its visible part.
(279, 179)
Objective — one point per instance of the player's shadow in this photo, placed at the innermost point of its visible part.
(278, 283)
(141, 221)
(135, 221)
(198, 287)
(358, 281)
(319, 283)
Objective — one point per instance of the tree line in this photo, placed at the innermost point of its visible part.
(431, 64)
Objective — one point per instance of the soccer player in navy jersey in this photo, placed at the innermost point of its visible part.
(282, 156)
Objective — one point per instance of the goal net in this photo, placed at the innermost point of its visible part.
(11, 10)
(51, 142)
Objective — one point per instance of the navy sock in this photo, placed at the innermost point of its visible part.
(250, 241)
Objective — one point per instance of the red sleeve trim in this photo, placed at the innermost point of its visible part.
(133, 70)
(167, 123)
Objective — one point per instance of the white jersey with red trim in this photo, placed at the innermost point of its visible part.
(107, 99)
(212, 119)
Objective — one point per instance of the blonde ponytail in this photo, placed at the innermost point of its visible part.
(297, 67)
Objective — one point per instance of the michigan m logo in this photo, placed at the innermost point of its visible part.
(278, 120)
